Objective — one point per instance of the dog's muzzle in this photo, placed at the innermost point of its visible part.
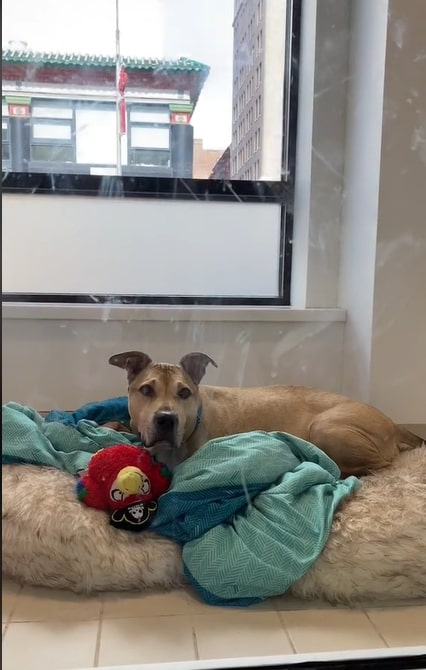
(165, 424)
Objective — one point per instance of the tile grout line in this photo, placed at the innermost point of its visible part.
(374, 627)
(99, 633)
(12, 609)
(194, 639)
(285, 631)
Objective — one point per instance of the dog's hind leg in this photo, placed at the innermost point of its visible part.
(357, 437)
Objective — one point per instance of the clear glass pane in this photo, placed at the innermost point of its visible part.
(209, 64)
(150, 157)
(52, 152)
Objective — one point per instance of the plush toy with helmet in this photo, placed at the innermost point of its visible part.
(125, 481)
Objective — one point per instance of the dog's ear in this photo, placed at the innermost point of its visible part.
(195, 365)
(131, 361)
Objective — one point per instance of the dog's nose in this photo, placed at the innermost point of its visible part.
(166, 420)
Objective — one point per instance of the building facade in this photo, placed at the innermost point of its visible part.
(59, 114)
(222, 169)
(204, 160)
(258, 89)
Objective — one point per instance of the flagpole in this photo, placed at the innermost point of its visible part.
(117, 92)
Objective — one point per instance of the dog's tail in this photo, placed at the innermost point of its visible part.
(408, 440)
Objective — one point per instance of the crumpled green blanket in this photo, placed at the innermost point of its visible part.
(253, 513)
(28, 438)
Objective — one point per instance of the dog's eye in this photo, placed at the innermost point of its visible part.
(146, 390)
(184, 393)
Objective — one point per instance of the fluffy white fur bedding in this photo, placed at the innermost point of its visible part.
(377, 548)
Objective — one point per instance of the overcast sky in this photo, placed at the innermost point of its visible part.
(198, 29)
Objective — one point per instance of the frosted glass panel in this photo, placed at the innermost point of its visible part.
(195, 248)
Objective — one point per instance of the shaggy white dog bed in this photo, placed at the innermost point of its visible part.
(377, 548)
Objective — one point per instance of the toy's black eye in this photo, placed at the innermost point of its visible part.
(147, 390)
(184, 393)
(117, 495)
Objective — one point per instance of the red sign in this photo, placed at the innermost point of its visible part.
(19, 110)
(180, 117)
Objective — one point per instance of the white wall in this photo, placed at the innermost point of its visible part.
(383, 269)
(63, 362)
(398, 357)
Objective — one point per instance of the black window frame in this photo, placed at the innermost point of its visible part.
(141, 107)
(163, 187)
(5, 143)
(51, 143)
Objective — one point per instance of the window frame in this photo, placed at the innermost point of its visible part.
(129, 185)
(132, 125)
(51, 142)
(5, 142)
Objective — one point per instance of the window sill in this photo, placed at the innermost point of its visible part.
(169, 313)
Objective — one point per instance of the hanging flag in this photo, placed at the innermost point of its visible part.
(122, 82)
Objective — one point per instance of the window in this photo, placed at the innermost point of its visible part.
(5, 141)
(51, 131)
(150, 137)
(5, 146)
(184, 109)
(95, 123)
(148, 115)
(150, 157)
(52, 139)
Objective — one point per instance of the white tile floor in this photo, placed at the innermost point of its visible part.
(55, 630)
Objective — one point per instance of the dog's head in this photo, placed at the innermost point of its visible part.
(164, 400)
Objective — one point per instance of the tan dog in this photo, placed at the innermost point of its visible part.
(175, 416)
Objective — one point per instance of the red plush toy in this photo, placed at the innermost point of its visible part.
(125, 481)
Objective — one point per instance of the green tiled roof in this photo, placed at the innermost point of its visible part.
(13, 56)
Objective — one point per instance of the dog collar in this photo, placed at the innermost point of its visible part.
(197, 421)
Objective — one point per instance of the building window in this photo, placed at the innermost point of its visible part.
(43, 110)
(5, 139)
(78, 134)
(149, 135)
(5, 147)
(150, 157)
(52, 136)
(51, 131)
(147, 115)
(95, 133)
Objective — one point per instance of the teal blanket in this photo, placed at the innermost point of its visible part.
(253, 512)
(29, 438)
